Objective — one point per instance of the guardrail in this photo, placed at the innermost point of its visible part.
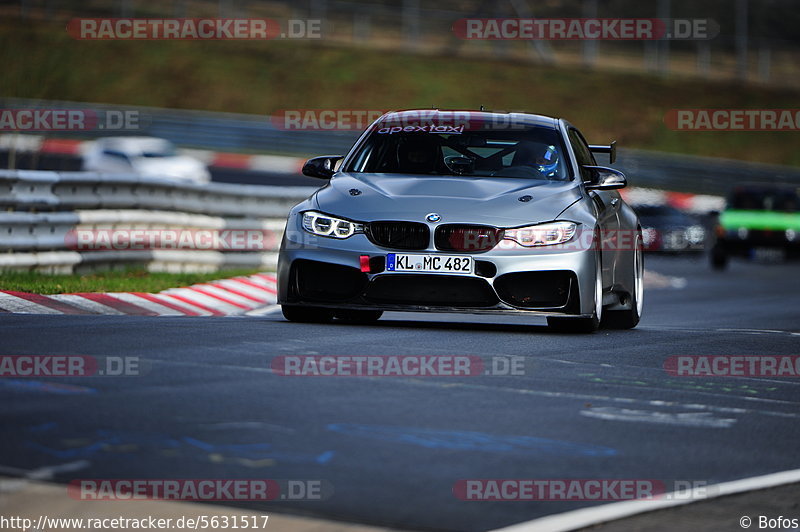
(47, 212)
(258, 134)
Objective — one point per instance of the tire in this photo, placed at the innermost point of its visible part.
(307, 314)
(358, 316)
(580, 325)
(629, 318)
(719, 259)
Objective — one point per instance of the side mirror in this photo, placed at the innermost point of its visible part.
(321, 167)
(602, 178)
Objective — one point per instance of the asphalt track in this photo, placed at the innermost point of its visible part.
(595, 406)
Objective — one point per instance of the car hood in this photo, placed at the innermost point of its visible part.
(495, 201)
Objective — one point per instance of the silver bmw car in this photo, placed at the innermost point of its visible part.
(465, 211)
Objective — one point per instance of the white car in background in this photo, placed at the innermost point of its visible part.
(147, 156)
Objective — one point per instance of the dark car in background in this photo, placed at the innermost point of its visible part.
(760, 222)
(667, 228)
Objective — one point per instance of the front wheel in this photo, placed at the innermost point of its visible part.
(719, 259)
(629, 318)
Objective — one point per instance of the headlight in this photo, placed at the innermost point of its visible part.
(695, 234)
(649, 235)
(546, 234)
(323, 225)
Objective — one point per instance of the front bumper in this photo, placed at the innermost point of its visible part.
(324, 272)
(671, 241)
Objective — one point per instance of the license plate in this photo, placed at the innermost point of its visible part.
(769, 254)
(454, 264)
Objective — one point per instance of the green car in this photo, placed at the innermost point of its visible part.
(760, 222)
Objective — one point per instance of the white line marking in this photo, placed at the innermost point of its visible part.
(706, 331)
(598, 398)
(586, 517)
(683, 419)
(42, 473)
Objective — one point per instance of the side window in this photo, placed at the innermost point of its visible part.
(581, 149)
(117, 155)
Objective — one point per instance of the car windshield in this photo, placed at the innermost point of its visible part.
(781, 200)
(530, 153)
(160, 150)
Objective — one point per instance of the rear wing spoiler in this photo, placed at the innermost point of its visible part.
(610, 149)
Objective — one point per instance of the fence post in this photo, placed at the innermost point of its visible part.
(741, 39)
(590, 45)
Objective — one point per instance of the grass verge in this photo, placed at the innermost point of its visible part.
(40, 60)
(117, 281)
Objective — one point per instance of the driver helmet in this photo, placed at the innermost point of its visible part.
(418, 155)
(547, 162)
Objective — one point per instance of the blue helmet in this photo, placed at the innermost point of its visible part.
(547, 163)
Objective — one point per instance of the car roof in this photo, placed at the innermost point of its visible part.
(133, 142)
(461, 114)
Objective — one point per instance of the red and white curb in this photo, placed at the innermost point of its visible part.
(694, 203)
(251, 295)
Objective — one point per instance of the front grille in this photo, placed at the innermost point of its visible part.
(399, 235)
(434, 290)
(462, 237)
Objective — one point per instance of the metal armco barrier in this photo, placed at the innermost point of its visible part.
(258, 134)
(44, 210)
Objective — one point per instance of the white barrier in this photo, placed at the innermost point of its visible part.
(45, 210)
